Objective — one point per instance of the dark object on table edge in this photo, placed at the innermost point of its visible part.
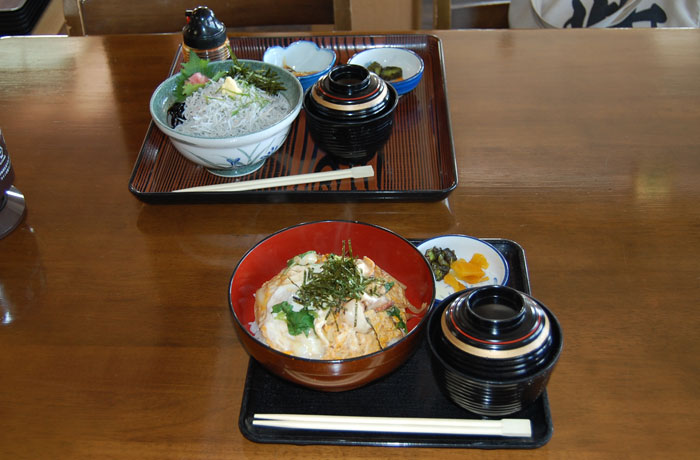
(12, 205)
(12, 210)
(265, 393)
(20, 17)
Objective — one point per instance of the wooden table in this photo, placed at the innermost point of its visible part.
(583, 146)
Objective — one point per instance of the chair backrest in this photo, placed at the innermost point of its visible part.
(378, 15)
(480, 14)
(101, 17)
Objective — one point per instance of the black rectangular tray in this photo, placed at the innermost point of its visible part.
(410, 391)
(417, 163)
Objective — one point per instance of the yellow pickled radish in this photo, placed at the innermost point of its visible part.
(453, 282)
(464, 269)
(475, 279)
(480, 260)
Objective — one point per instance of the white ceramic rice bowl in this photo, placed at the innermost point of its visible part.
(229, 156)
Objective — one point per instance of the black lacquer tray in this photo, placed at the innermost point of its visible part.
(417, 164)
(410, 391)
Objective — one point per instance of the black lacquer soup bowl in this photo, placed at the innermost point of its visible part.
(350, 112)
(493, 349)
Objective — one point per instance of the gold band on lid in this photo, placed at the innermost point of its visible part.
(350, 107)
(495, 354)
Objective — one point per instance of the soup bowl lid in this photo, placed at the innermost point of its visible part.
(350, 91)
(495, 322)
(497, 333)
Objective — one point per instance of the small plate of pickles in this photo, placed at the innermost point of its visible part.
(462, 262)
(400, 67)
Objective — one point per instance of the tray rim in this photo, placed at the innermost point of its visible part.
(274, 195)
(457, 441)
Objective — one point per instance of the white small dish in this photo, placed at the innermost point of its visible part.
(465, 247)
(303, 59)
(411, 65)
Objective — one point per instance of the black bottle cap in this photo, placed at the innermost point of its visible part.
(203, 31)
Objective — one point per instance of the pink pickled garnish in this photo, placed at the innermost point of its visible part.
(197, 79)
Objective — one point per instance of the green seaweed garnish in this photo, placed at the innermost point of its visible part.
(264, 79)
(338, 282)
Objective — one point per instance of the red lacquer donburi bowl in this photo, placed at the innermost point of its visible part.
(389, 251)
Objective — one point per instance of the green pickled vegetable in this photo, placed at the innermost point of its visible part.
(375, 67)
(440, 260)
(388, 73)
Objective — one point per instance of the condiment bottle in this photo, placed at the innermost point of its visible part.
(204, 35)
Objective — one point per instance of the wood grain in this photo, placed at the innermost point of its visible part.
(580, 145)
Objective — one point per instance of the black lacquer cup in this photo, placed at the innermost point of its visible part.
(350, 112)
(493, 349)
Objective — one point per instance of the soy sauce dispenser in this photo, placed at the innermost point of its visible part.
(204, 35)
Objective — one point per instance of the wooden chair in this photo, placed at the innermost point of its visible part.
(378, 15)
(101, 17)
(481, 14)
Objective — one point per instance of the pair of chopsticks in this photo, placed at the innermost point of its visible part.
(476, 427)
(356, 172)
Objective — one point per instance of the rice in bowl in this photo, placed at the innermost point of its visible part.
(217, 111)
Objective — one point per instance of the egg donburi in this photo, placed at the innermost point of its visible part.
(329, 306)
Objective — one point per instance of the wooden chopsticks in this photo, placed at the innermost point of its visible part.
(476, 427)
(356, 172)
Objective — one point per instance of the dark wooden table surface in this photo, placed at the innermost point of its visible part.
(582, 146)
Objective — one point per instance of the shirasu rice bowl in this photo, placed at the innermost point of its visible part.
(216, 110)
(243, 149)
